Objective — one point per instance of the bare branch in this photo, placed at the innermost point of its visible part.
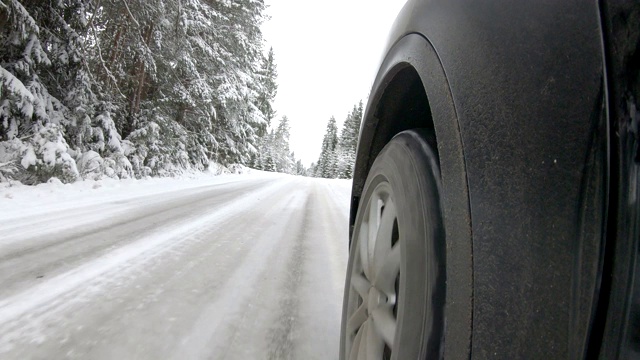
(130, 14)
(107, 71)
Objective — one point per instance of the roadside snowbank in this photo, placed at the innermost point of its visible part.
(18, 201)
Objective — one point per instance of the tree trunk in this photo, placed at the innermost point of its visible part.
(115, 47)
(139, 76)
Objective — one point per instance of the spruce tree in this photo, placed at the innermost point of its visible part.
(348, 142)
(268, 88)
(280, 146)
(39, 67)
(337, 156)
(122, 88)
(300, 169)
(326, 162)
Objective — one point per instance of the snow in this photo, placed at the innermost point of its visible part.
(229, 266)
(19, 201)
(45, 293)
(29, 158)
(13, 85)
(71, 205)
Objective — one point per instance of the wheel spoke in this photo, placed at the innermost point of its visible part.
(374, 223)
(383, 236)
(362, 349)
(357, 319)
(385, 324)
(374, 216)
(361, 285)
(363, 247)
(386, 276)
(374, 343)
(376, 265)
(355, 347)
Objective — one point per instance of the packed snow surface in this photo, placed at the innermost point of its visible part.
(205, 267)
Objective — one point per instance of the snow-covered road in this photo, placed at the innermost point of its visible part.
(231, 267)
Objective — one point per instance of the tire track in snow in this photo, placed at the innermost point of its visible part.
(149, 314)
(64, 250)
(22, 314)
(227, 292)
(212, 336)
(283, 340)
(321, 292)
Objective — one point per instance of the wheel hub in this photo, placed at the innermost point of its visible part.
(375, 299)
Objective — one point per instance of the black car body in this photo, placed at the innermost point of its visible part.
(535, 108)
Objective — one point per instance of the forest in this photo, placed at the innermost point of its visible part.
(135, 88)
(338, 153)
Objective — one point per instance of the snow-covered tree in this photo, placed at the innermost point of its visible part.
(268, 88)
(280, 147)
(325, 166)
(274, 151)
(40, 64)
(136, 87)
(347, 143)
(337, 157)
(300, 169)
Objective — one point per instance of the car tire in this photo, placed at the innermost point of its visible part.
(396, 283)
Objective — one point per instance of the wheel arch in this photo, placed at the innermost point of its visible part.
(412, 91)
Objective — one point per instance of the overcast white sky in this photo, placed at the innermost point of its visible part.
(327, 53)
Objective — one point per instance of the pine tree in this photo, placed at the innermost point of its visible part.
(300, 169)
(268, 88)
(337, 156)
(311, 171)
(37, 41)
(351, 129)
(136, 87)
(273, 150)
(269, 163)
(347, 144)
(326, 162)
(280, 146)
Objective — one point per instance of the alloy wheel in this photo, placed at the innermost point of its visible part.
(374, 279)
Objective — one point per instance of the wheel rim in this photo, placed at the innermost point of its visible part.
(374, 279)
